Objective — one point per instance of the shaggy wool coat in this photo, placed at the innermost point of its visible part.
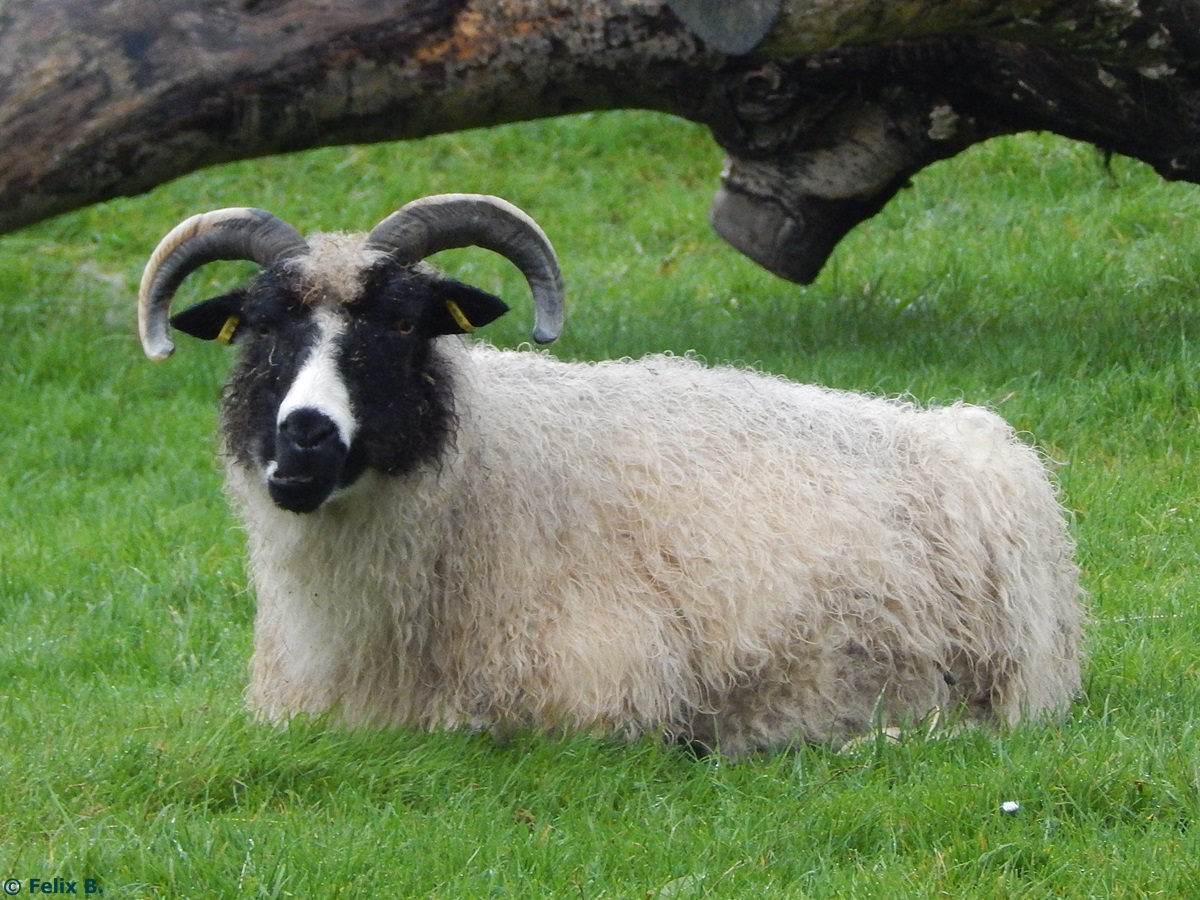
(662, 547)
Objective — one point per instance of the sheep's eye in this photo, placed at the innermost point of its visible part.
(403, 326)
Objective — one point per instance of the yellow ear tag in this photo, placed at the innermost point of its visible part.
(227, 330)
(459, 317)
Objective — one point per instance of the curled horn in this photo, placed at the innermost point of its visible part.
(446, 221)
(236, 233)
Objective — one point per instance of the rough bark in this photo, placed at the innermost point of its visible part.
(824, 107)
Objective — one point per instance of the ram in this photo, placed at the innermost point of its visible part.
(442, 534)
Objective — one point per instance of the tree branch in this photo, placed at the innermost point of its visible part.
(824, 107)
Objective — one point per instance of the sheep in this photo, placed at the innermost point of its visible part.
(446, 535)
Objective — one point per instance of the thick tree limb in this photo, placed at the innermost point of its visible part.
(836, 104)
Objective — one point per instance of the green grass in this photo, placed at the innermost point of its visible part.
(1024, 275)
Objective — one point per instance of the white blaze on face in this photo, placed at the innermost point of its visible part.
(319, 384)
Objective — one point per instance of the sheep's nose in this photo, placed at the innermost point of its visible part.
(309, 456)
(307, 429)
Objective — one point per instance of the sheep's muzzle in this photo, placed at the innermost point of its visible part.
(310, 459)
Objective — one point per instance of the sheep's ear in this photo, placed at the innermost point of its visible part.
(215, 319)
(458, 308)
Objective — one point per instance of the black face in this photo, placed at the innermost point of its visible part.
(361, 385)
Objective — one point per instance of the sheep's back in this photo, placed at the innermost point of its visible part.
(695, 531)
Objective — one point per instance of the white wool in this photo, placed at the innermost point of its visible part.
(657, 546)
(334, 265)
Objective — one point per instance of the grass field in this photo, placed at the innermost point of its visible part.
(1025, 275)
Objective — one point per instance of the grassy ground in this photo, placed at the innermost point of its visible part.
(1025, 275)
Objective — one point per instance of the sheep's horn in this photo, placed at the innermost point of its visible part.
(236, 233)
(445, 221)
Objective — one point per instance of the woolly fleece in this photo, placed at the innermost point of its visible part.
(656, 546)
